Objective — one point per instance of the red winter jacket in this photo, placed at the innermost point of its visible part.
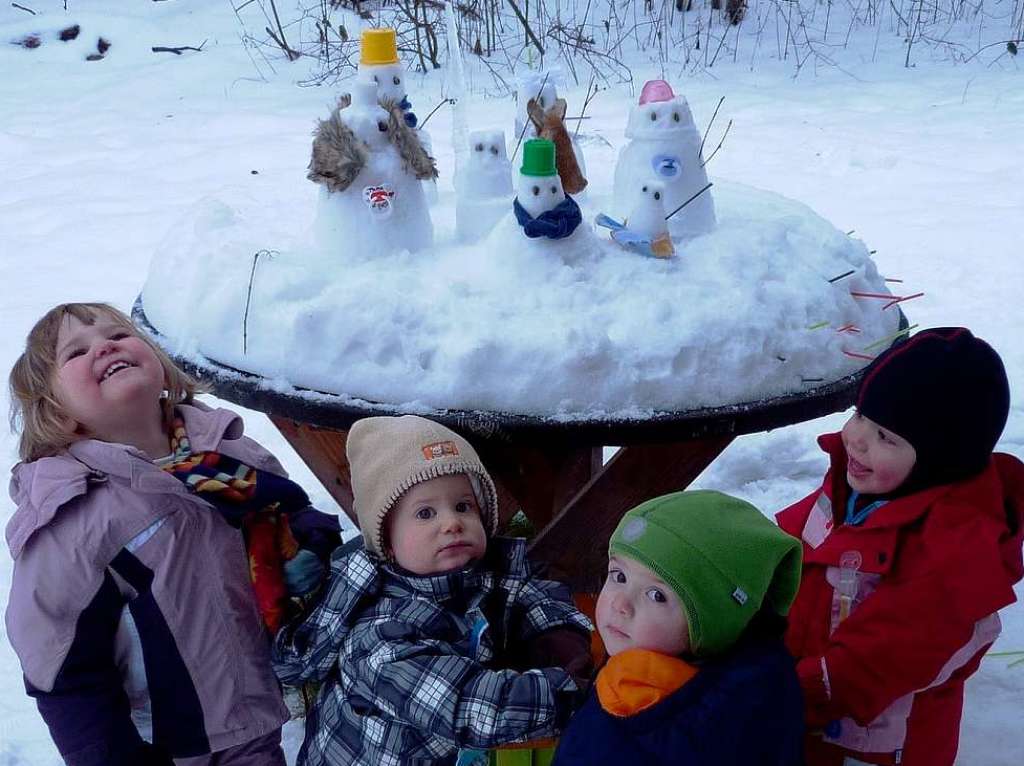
(894, 615)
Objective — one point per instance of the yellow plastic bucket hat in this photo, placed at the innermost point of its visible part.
(378, 46)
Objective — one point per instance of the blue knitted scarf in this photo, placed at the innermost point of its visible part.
(557, 223)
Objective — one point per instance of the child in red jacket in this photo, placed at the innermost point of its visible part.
(911, 546)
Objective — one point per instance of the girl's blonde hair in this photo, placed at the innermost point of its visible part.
(34, 405)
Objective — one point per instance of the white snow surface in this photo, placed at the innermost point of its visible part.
(102, 162)
(561, 329)
(569, 328)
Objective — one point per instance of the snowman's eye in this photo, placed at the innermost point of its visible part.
(554, 190)
(644, 190)
(657, 195)
(494, 151)
(479, 147)
(376, 80)
(675, 116)
(382, 126)
(654, 116)
(536, 191)
(396, 80)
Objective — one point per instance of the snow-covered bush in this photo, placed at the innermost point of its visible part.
(603, 39)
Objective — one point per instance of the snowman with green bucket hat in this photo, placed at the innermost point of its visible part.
(542, 208)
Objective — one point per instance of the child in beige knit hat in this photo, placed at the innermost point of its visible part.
(423, 498)
(436, 639)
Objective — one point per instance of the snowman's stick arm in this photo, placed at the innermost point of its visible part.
(711, 156)
(689, 200)
(700, 152)
(591, 92)
(434, 110)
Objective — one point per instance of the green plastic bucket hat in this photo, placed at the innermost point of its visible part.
(538, 158)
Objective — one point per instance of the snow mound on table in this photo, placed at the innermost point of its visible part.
(581, 329)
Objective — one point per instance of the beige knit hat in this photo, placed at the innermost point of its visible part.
(389, 455)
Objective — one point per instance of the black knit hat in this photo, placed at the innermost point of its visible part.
(946, 393)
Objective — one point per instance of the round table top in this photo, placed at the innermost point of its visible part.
(339, 412)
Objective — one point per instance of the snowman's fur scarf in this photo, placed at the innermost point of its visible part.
(339, 156)
(415, 159)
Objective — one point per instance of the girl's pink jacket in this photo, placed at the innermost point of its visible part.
(121, 574)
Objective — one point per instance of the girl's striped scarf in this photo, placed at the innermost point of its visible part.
(258, 502)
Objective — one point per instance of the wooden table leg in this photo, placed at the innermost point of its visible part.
(574, 545)
(323, 450)
(538, 481)
(564, 490)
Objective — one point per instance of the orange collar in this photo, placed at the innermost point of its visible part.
(636, 679)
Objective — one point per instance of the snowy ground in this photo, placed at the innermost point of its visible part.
(99, 159)
(525, 326)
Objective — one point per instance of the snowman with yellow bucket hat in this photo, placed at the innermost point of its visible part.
(379, 63)
(370, 167)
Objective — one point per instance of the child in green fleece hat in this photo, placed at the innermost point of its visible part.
(692, 615)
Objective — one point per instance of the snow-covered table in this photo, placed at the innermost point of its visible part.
(551, 469)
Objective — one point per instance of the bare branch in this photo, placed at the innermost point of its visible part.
(704, 164)
(526, 26)
(700, 152)
(177, 50)
(292, 54)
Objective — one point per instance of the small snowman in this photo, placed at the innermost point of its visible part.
(645, 230)
(369, 164)
(539, 87)
(664, 147)
(541, 208)
(483, 185)
(379, 62)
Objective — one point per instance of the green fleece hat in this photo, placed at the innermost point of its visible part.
(720, 555)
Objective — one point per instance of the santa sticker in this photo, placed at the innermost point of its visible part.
(379, 199)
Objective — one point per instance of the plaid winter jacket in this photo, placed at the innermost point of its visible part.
(411, 664)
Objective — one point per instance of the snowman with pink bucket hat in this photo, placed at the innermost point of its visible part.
(663, 152)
